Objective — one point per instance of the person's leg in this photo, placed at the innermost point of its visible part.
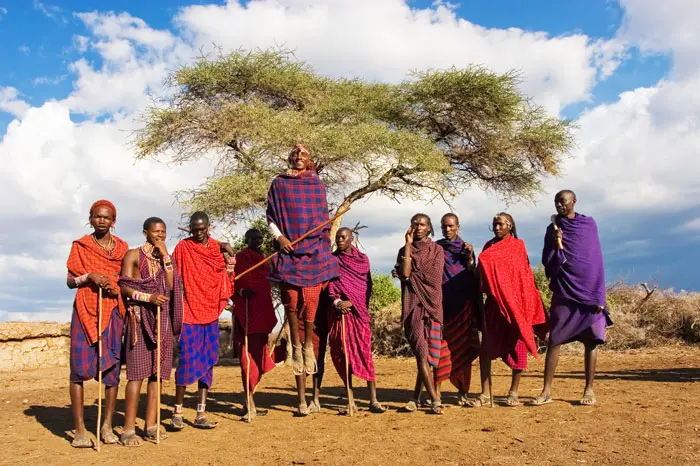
(318, 376)
(201, 420)
(128, 437)
(177, 422)
(426, 375)
(590, 360)
(290, 300)
(512, 398)
(106, 432)
(81, 439)
(485, 372)
(302, 409)
(550, 366)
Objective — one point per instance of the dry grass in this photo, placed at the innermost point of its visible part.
(640, 321)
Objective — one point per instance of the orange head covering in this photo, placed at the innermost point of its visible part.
(310, 165)
(104, 203)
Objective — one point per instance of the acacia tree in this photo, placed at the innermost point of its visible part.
(435, 134)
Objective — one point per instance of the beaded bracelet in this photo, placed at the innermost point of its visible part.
(79, 281)
(139, 296)
(168, 263)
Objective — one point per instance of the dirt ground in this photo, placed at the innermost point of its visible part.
(647, 413)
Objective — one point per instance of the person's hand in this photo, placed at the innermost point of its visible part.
(394, 273)
(409, 236)
(344, 306)
(468, 249)
(285, 244)
(599, 309)
(161, 248)
(98, 279)
(246, 293)
(158, 299)
(557, 235)
(111, 290)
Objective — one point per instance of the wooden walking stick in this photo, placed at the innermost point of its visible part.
(99, 365)
(158, 375)
(347, 364)
(247, 370)
(560, 245)
(301, 238)
(484, 339)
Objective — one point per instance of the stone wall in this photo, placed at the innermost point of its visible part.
(35, 345)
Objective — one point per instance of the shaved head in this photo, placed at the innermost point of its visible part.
(565, 191)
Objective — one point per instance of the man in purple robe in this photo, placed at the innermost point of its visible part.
(573, 262)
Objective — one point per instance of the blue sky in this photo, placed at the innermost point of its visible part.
(75, 76)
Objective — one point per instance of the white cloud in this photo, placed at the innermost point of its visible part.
(385, 40)
(50, 11)
(24, 49)
(3, 13)
(10, 103)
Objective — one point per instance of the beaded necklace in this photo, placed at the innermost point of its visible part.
(110, 245)
(154, 265)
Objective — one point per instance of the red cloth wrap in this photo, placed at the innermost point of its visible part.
(206, 284)
(261, 312)
(507, 278)
(87, 256)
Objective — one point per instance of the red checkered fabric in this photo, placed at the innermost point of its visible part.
(206, 284)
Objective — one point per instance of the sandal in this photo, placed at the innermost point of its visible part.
(201, 422)
(377, 408)
(478, 402)
(462, 400)
(348, 410)
(302, 411)
(82, 442)
(108, 436)
(310, 365)
(410, 407)
(177, 422)
(297, 360)
(436, 407)
(542, 400)
(314, 407)
(151, 434)
(130, 439)
(512, 399)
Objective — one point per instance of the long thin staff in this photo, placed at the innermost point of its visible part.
(279, 335)
(560, 245)
(158, 375)
(247, 364)
(301, 238)
(99, 364)
(347, 364)
(484, 340)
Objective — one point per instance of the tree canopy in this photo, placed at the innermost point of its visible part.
(435, 134)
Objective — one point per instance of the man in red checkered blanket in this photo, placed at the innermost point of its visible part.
(296, 204)
(94, 263)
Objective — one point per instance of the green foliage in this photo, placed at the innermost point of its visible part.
(542, 284)
(384, 293)
(437, 133)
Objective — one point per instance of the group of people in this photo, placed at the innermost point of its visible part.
(325, 294)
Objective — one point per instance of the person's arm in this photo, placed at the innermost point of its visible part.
(167, 262)
(405, 265)
(130, 266)
(95, 278)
